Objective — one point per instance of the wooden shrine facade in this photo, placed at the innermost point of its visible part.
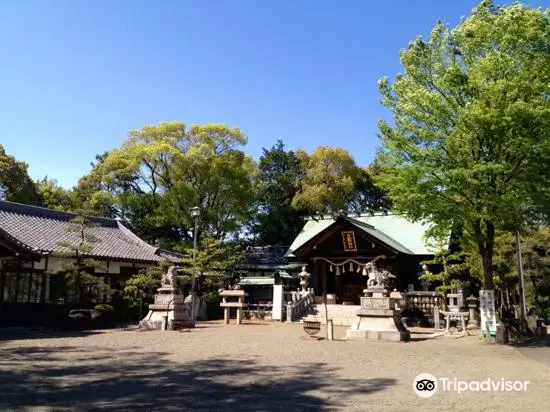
(337, 251)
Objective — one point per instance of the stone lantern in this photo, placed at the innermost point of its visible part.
(304, 279)
(472, 306)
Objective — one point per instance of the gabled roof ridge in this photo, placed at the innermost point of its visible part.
(359, 222)
(383, 226)
(44, 212)
(135, 238)
(403, 247)
(330, 216)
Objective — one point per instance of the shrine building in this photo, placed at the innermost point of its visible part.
(336, 250)
(32, 237)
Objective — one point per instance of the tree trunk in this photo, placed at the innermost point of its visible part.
(485, 244)
(536, 295)
(487, 271)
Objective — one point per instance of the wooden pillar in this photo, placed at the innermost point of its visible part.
(324, 281)
(17, 281)
(30, 276)
(2, 282)
(339, 287)
(45, 275)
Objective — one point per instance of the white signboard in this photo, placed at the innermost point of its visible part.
(488, 313)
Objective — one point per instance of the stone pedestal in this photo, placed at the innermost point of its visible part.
(168, 303)
(239, 305)
(378, 320)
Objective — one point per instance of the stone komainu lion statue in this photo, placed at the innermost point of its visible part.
(171, 277)
(378, 277)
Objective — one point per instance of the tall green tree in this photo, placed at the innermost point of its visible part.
(56, 197)
(279, 175)
(163, 170)
(15, 183)
(368, 196)
(216, 261)
(94, 195)
(445, 260)
(329, 180)
(471, 122)
(535, 249)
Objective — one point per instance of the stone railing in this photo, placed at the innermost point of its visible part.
(297, 309)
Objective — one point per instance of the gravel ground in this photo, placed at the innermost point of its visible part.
(253, 367)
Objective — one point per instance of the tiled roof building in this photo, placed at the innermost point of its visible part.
(32, 252)
(39, 231)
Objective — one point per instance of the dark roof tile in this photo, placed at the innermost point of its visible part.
(265, 255)
(41, 230)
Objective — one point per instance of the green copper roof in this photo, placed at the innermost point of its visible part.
(395, 231)
(257, 281)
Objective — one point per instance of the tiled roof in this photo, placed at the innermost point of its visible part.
(265, 255)
(394, 230)
(40, 230)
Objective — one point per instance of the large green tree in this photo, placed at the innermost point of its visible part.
(15, 183)
(535, 250)
(56, 197)
(329, 180)
(368, 197)
(470, 137)
(279, 175)
(215, 263)
(163, 170)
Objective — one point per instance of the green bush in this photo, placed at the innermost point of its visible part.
(103, 307)
(544, 313)
(213, 309)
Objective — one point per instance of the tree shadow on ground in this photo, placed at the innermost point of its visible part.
(84, 378)
(19, 333)
(541, 342)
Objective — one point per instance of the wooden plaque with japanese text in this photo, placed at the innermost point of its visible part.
(348, 239)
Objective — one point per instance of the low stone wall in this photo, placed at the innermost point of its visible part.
(341, 315)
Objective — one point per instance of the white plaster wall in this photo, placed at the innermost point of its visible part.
(55, 264)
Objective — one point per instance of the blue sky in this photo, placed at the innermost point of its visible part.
(76, 76)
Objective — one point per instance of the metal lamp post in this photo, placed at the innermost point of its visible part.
(195, 213)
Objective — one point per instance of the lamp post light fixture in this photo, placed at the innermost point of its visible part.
(195, 213)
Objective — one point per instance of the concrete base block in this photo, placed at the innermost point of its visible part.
(150, 324)
(389, 335)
